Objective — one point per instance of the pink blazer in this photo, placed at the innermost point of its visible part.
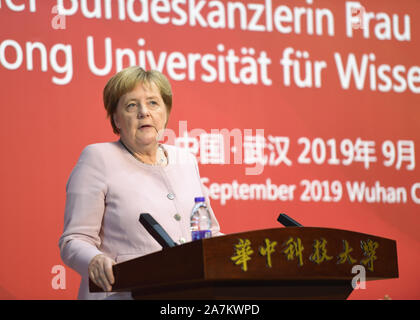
(106, 192)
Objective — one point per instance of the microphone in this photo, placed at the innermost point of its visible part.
(287, 221)
(156, 231)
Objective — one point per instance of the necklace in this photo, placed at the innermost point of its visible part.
(162, 160)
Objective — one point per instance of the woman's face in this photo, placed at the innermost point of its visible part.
(140, 115)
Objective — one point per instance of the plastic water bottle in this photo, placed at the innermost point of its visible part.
(200, 220)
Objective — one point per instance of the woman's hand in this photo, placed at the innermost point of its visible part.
(100, 271)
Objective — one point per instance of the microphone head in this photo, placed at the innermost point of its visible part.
(156, 230)
(287, 221)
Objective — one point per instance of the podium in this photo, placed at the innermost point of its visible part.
(280, 263)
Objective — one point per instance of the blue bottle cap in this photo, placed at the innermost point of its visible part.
(199, 199)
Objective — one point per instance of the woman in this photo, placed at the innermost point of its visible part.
(112, 183)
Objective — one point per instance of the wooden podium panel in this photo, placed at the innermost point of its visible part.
(280, 263)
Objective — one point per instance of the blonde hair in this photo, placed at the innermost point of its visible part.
(126, 80)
